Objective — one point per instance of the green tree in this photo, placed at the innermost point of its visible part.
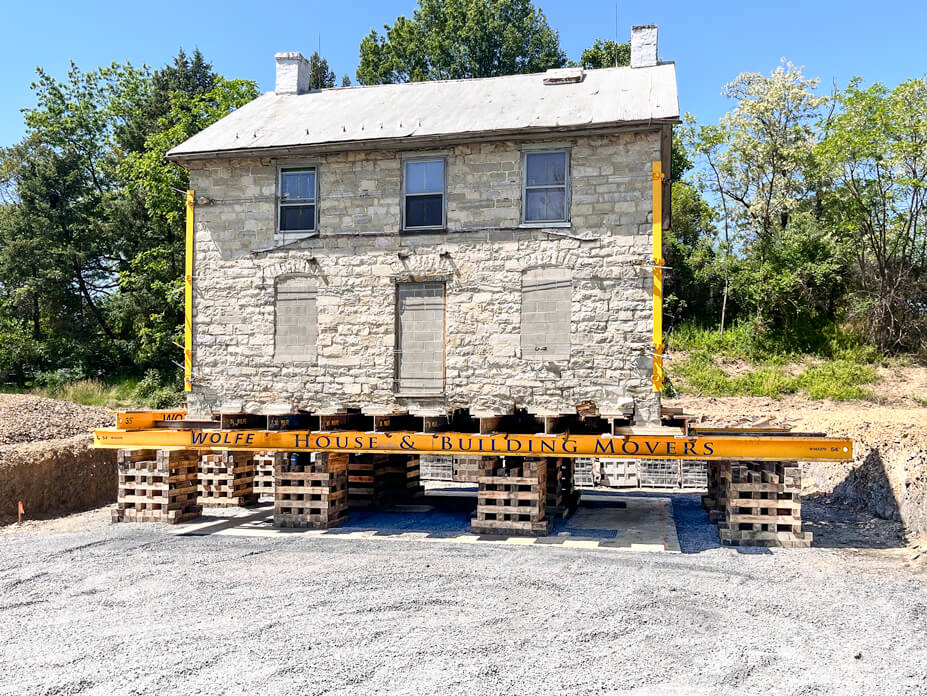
(690, 286)
(756, 165)
(91, 220)
(452, 39)
(874, 154)
(606, 54)
(320, 75)
(151, 301)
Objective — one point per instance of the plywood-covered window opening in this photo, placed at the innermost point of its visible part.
(546, 314)
(296, 328)
(420, 325)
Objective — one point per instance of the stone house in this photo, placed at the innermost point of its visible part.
(434, 247)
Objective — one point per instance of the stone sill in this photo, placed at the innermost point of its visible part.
(542, 225)
(423, 395)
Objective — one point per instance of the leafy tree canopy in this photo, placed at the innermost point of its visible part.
(452, 39)
(606, 54)
(320, 75)
(91, 217)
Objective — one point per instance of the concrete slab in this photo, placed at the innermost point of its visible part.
(622, 523)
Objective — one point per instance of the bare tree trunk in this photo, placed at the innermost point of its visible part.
(724, 303)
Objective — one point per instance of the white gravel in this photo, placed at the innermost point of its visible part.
(131, 609)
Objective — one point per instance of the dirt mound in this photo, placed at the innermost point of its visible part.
(27, 418)
(888, 474)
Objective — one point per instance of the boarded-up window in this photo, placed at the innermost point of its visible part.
(546, 296)
(420, 324)
(297, 327)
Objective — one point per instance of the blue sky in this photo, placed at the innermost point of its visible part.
(711, 42)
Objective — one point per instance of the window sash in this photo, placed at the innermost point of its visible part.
(287, 204)
(565, 187)
(406, 196)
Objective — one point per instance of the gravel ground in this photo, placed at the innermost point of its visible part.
(132, 609)
(27, 418)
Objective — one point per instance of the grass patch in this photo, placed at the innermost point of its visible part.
(839, 380)
(151, 391)
(746, 340)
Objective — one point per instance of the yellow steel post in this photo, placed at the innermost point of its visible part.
(188, 300)
(658, 347)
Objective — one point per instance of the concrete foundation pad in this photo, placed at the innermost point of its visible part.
(619, 523)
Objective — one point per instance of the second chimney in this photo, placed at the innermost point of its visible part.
(292, 73)
(644, 46)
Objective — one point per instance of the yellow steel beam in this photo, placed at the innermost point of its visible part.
(143, 420)
(602, 446)
(188, 299)
(658, 347)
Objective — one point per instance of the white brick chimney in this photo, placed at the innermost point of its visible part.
(292, 73)
(644, 46)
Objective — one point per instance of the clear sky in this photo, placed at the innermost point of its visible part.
(711, 42)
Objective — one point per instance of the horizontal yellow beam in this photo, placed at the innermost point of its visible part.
(602, 446)
(142, 420)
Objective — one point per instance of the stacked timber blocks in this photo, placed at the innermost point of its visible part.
(156, 486)
(383, 479)
(264, 467)
(756, 503)
(469, 469)
(311, 491)
(226, 479)
(512, 501)
(562, 497)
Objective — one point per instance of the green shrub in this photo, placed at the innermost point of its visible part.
(839, 380)
(159, 390)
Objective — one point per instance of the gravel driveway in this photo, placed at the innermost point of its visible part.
(133, 609)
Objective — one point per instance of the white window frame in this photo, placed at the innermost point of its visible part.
(524, 185)
(296, 167)
(405, 195)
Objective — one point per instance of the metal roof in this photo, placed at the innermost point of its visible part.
(355, 117)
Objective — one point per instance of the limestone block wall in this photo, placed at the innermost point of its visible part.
(484, 259)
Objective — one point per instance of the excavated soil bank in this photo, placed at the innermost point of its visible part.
(46, 458)
(888, 475)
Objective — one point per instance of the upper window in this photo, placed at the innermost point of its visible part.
(546, 186)
(298, 193)
(423, 194)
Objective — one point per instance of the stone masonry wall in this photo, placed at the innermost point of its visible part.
(360, 255)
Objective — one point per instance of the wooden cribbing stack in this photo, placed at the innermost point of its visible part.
(562, 497)
(470, 469)
(311, 491)
(226, 479)
(383, 479)
(264, 463)
(361, 477)
(156, 486)
(756, 503)
(512, 501)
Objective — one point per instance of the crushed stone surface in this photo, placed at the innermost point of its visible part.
(28, 418)
(120, 609)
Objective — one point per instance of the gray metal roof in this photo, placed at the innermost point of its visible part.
(352, 117)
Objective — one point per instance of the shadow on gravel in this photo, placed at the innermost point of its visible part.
(861, 511)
